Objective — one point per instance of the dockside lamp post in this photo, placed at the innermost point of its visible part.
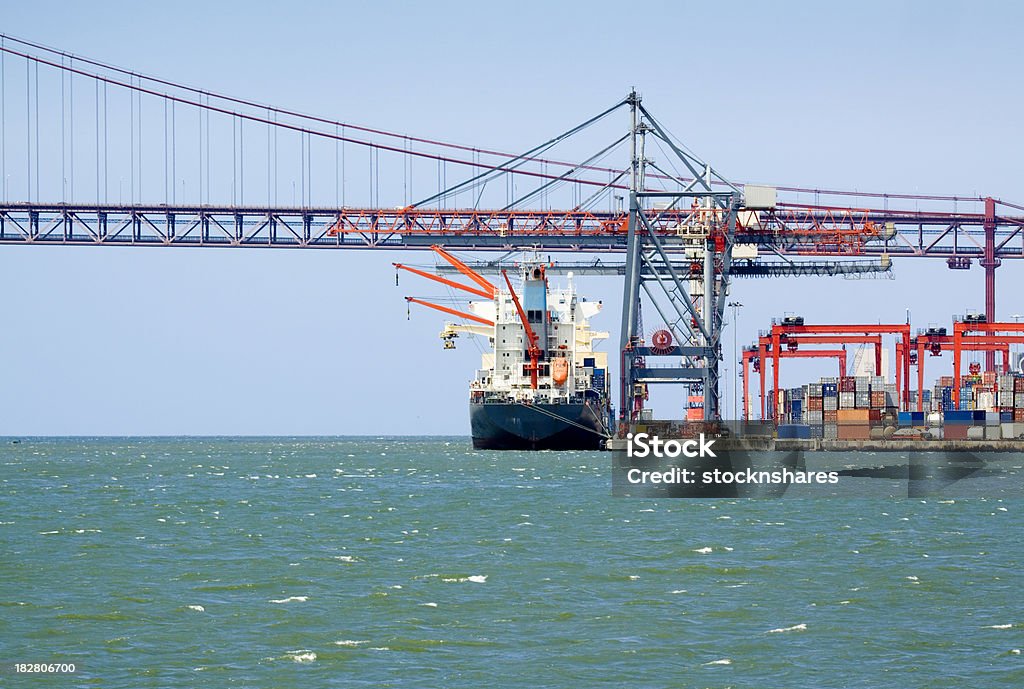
(735, 379)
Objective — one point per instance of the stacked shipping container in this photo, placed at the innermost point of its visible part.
(847, 408)
(839, 408)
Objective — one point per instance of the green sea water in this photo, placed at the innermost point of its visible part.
(418, 562)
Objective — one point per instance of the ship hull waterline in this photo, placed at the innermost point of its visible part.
(514, 426)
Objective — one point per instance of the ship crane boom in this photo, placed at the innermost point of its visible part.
(489, 294)
(450, 311)
(476, 277)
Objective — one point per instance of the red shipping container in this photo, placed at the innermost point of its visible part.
(955, 431)
(854, 432)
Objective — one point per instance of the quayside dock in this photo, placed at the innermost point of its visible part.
(821, 445)
(767, 444)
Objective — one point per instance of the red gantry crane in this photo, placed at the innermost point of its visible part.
(991, 333)
(753, 354)
(935, 341)
(839, 334)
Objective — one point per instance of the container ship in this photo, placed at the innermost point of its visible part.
(541, 385)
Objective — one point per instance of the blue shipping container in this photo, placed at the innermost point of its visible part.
(794, 431)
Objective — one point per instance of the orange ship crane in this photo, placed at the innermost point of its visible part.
(483, 289)
(476, 277)
(486, 289)
(534, 349)
(453, 312)
(444, 281)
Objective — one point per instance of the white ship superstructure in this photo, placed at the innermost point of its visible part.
(567, 366)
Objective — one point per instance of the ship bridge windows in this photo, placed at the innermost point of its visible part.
(543, 369)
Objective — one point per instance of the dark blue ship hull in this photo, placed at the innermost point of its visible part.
(536, 426)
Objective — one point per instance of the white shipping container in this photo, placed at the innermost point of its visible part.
(985, 400)
(744, 252)
(757, 197)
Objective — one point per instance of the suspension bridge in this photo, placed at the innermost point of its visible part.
(92, 154)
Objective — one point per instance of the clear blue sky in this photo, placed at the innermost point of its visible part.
(891, 97)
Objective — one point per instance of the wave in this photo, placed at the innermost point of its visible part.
(302, 656)
(290, 599)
